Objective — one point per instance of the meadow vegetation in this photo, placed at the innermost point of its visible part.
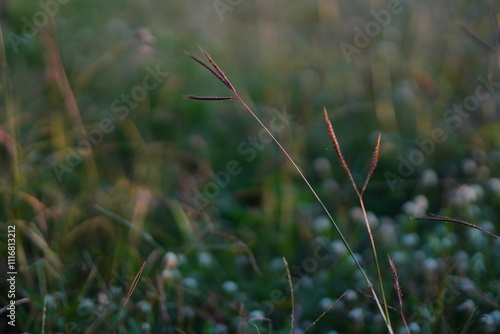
(138, 210)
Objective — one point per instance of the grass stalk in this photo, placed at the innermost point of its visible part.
(323, 314)
(434, 217)
(217, 72)
(129, 293)
(292, 320)
(359, 194)
(375, 256)
(397, 286)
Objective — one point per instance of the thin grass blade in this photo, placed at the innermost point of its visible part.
(470, 320)
(336, 146)
(292, 320)
(392, 308)
(129, 293)
(454, 220)
(219, 74)
(322, 314)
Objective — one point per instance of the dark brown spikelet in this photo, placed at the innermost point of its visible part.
(209, 98)
(374, 163)
(218, 69)
(454, 220)
(335, 142)
(397, 286)
(208, 68)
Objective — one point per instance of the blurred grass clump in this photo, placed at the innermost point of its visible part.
(104, 165)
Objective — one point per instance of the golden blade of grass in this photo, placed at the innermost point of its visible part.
(53, 263)
(41, 211)
(217, 72)
(397, 286)
(129, 293)
(8, 138)
(146, 235)
(454, 220)
(58, 74)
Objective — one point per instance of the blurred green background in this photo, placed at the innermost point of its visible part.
(89, 211)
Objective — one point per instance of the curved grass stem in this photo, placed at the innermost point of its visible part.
(375, 256)
(383, 311)
(217, 72)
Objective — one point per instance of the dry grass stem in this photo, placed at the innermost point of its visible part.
(392, 308)
(129, 293)
(470, 320)
(217, 72)
(454, 220)
(397, 286)
(322, 314)
(291, 293)
(374, 161)
(240, 244)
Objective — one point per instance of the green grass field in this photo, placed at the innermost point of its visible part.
(128, 208)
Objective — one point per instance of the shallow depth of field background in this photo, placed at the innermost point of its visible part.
(86, 219)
